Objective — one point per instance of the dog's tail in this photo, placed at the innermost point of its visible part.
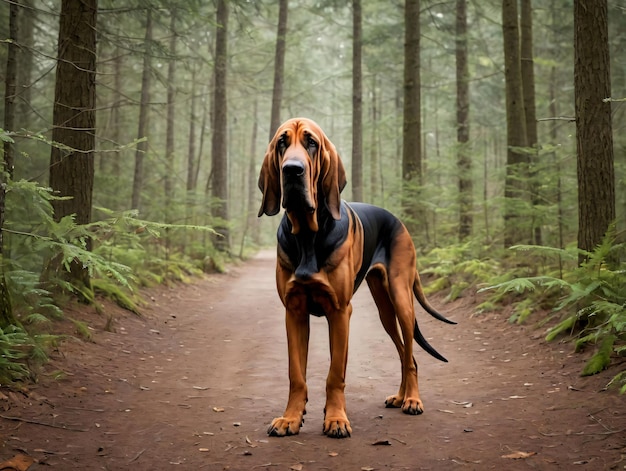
(421, 297)
(422, 342)
(417, 334)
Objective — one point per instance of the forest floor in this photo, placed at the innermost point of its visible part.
(194, 382)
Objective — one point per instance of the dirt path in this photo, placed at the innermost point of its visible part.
(194, 384)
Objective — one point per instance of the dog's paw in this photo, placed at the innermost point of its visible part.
(413, 406)
(337, 427)
(282, 427)
(394, 401)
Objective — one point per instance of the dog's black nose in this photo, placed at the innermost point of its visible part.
(293, 168)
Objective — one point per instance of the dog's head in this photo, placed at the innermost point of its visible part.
(301, 171)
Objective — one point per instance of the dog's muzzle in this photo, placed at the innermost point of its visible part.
(295, 186)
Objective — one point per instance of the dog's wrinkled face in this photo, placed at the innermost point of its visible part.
(300, 172)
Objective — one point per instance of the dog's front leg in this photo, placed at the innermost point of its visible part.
(297, 324)
(336, 423)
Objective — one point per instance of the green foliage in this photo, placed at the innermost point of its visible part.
(116, 293)
(119, 251)
(20, 352)
(458, 267)
(589, 300)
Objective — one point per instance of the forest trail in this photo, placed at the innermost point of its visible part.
(194, 383)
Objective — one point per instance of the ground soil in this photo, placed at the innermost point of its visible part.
(195, 381)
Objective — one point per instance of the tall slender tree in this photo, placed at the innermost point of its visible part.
(279, 66)
(357, 102)
(528, 87)
(219, 149)
(25, 64)
(594, 137)
(516, 159)
(411, 127)
(170, 119)
(191, 145)
(144, 116)
(74, 119)
(464, 162)
(6, 169)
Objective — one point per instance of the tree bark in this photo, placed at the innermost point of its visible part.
(10, 87)
(116, 116)
(594, 138)
(411, 127)
(6, 170)
(74, 119)
(144, 117)
(25, 64)
(357, 102)
(170, 117)
(528, 80)
(219, 149)
(516, 161)
(464, 162)
(374, 161)
(191, 147)
(279, 67)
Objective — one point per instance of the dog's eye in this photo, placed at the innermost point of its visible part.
(311, 143)
(281, 145)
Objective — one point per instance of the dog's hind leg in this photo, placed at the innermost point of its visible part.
(377, 282)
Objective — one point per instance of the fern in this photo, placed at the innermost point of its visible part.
(601, 359)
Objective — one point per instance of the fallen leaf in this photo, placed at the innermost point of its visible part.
(382, 442)
(236, 424)
(367, 468)
(201, 388)
(19, 462)
(445, 411)
(465, 404)
(296, 467)
(247, 453)
(248, 440)
(333, 454)
(218, 409)
(203, 449)
(519, 455)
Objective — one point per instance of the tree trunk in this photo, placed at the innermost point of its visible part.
(514, 228)
(191, 147)
(252, 220)
(170, 117)
(144, 118)
(219, 149)
(279, 67)
(116, 117)
(594, 138)
(528, 80)
(357, 103)
(374, 162)
(10, 87)
(25, 64)
(74, 119)
(6, 170)
(411, 128)
(464, 162)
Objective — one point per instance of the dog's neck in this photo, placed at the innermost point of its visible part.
(308, 249)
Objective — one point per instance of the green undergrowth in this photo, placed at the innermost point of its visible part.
(121, 253)
(584, 304)
(458, 268)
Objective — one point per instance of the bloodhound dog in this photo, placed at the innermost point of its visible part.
(326, 248)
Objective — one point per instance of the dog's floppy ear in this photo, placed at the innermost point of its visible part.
(269, 182)
(332, 176)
